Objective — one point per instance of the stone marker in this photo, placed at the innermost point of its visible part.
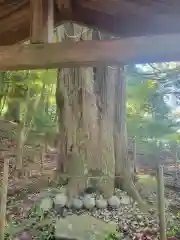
(83, 227)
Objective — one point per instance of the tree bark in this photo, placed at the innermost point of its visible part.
(4, 197)
(105, 90)
(92, 124)
(69, 103)
(122, 166)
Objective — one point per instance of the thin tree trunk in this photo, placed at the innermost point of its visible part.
(23, 131)
(4, 197)
(19, 148)
(3, 89)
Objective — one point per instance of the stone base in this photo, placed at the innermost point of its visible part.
(83, 227)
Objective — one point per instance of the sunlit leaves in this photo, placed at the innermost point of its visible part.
(147, 113)
(26, 88)
(175, 137)
(151, 83)
(50, 77)
(52, 100)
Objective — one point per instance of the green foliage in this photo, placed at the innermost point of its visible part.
(23, 94)
(149, 118)
(174, 229)
(112, 236)
(29, 97)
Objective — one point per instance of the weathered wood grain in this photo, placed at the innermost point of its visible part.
(90, 53)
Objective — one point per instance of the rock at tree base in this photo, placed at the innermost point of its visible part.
(88, 201)
(101, 203)
(83, 227)
(114, 201)
(75, 203)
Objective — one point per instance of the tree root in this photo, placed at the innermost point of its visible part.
(127, 185)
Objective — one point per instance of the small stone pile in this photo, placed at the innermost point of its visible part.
(88, 202)
(118, 210)
(130, 220)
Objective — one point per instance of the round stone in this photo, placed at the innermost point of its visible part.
(155, 230)
(114, 201)
(88, 202)
(60, 199)
(77, 203)
(101, 203)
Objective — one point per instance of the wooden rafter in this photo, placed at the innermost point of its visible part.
(90, 53)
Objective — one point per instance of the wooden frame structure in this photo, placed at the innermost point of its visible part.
(90, 53)
(44, 14)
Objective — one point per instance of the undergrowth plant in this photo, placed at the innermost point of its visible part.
(174, 229)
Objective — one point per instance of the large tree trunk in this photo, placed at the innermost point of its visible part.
(122, 166)
(88, 120)
(92, 151)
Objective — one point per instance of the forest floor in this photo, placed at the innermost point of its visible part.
(37, 181)
(24, 215)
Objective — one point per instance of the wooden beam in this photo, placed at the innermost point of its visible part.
(90, 53)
